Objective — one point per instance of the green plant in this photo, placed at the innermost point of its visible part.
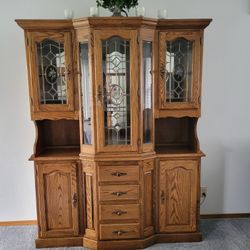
(120, 4)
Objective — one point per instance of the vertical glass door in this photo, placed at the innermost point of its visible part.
(179, 70)
(86, 93)
(116, 90)
(147, 93)
(53, 74)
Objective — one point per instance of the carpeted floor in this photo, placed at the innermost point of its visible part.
(233, 234)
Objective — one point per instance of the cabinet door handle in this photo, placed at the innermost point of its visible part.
(74, 199)
(119, 193)
(119, 212)
(119, 232)
(162, 196)
(118, 174)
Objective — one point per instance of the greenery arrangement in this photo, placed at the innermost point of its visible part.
(117, 6)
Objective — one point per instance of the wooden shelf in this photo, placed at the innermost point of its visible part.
(177, 150)
(62, 153)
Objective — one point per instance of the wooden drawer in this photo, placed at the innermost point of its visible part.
(118, 192)
(119, 231)
(119, 173)
(119, 212)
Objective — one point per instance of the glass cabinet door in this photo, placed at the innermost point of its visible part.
(116, 87)
(52, 75)
(147, 92)
(86, 93)
(179, 70)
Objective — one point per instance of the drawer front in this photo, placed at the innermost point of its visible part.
(119, 212)
(118, 192)
(119, 173)
(119, 231)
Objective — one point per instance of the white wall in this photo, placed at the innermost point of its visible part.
(224, 128)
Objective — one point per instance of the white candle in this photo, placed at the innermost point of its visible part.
(94, 11)
(140, 11)
(68, 13)
(162, 13)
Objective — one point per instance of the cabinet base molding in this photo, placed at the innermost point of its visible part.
(59, 242)
(119, 244)
(178, 237)
(141, 243)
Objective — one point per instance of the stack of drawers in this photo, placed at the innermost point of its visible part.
(119, 202)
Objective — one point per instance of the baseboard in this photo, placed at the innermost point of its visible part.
(203, 216)
(225, 216)
(18, 223)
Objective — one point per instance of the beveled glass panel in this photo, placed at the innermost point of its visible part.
(179, 71)
(86, 93)
(51, 70)
(116, 90)
(147, 92)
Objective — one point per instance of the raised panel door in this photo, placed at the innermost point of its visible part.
(178, 195)
(57, 199)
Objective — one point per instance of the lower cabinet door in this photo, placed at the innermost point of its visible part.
(57, 199)
(178, 195)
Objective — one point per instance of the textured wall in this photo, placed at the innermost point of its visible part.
(224, 128)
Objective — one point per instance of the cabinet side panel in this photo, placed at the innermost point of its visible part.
(148, 175)
(89, 201)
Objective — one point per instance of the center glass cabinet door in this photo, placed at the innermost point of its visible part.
(116, 90)
(179, 63)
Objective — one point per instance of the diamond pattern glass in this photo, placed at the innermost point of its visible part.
(116, 90)
(179, 70)
(51, 69)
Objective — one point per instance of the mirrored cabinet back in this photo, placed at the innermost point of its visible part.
(115, 102)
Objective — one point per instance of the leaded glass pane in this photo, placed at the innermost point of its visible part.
(51, 70)
(116, 90)
(179, 70)
(147, 92)
(86, 93)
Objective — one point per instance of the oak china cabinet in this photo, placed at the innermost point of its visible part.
(115, 102)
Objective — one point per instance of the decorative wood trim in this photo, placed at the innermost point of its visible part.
(183, 23)
(59, 242)
(18, 223)
(225, 216)
(44, 24)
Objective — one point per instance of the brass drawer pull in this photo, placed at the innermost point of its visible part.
(118, 193)
(119, 232)
(119, 212)
(118, 174)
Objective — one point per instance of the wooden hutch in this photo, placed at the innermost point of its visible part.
(115, 102)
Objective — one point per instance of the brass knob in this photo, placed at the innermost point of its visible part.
(119, 232)
(118, 193)
(119, 212)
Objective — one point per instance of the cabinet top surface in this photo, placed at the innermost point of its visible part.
(30, 24)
